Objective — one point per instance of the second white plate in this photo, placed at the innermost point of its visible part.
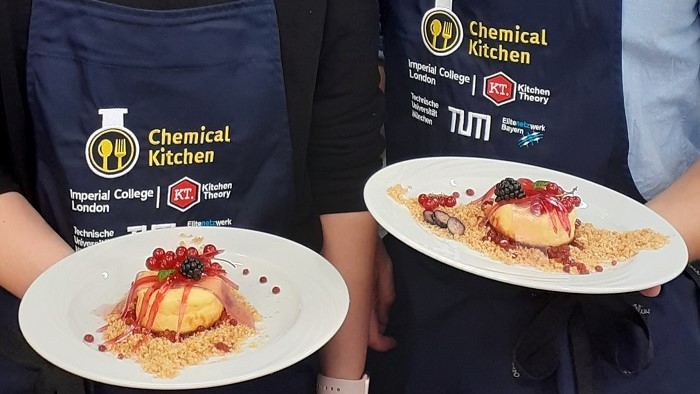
(604, 208)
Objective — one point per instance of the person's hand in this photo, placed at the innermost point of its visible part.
(382, 299)
(652, 292)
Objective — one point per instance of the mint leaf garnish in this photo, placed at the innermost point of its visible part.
(540, 184)
(162, 274)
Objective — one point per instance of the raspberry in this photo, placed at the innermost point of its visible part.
(192, 268)
(508, 189)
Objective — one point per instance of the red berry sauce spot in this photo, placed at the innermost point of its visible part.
(222, 347)
(614, 263)
(120, 356)
(263, 279)
(455, 194)
(598, 268)
(88, 338)
(470, 192)
(102, 348)
(246, 271)
(275, 290)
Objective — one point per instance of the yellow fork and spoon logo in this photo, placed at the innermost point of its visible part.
(111, 152)
(105, 149)
(442, 31)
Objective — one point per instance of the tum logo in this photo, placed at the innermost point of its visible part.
(480, 122)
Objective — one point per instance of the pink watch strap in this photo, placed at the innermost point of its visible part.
(325, 385)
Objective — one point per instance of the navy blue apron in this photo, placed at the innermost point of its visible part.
(539, 84)
(148, 119)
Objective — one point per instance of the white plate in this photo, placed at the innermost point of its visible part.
(58, 309)
(603, 207)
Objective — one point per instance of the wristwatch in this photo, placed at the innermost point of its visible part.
(324, 385)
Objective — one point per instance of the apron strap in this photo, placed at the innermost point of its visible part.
(693, 270)
(51, 379)
(605, 326)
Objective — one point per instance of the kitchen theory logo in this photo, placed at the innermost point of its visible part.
(442, 31)
(499, 88)
(112, 150)
(184, 194)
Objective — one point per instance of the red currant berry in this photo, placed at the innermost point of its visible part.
(209, 248)
(441, 200)
(181, 251)
(567, 203)
(158, 252)
(192, 251)
(170, 253)
(168, 262)
(431, 204)
(450, 201)
(576, 200)
(152, 263)
(421, 198)
(552, 187)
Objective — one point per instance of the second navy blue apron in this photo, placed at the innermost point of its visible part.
(539, 84)
(148, 119)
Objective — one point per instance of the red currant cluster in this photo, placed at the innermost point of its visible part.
(162, 259)
(553, 188)
(431, 202)
(570, 202)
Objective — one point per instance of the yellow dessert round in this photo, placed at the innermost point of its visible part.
(202, 309)
(518, 223)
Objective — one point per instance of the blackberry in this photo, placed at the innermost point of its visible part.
(192, 268)
(508, 189)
